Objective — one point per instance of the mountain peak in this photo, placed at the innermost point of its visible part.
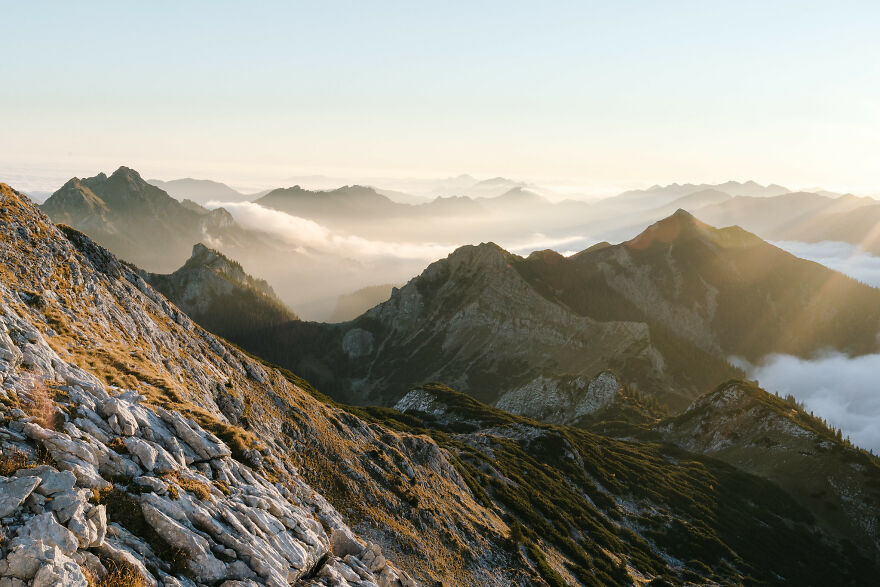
(481, 254)
(124, 173)
(680, 225)
(204, 256)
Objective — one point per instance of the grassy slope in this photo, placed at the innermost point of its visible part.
(602, 505)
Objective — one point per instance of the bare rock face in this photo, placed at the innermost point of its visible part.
(561, 401)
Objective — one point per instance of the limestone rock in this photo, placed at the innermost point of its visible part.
(46, 529)
(14, 491)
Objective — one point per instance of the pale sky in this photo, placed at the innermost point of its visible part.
(593, 93)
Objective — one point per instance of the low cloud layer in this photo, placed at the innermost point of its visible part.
(329, 263)
(843, 390)
(310, 235)
(843, 257)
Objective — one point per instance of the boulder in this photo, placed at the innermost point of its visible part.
(52, 481)
(23, 559)
(45, 528)
(205, 567)
(14, 491)
(144, 452)
(120, 418)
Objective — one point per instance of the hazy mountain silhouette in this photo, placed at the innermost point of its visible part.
(216, 292)
(140, 222)
(200, 191)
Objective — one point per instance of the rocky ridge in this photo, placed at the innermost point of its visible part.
(219, 295)
(89, 449)
(471, 321)
(775, 438)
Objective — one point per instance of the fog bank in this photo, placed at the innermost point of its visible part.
(844, 257)
(843, 390)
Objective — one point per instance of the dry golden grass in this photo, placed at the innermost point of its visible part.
(118, 575)
(201, 490)
(13, 460)
(38, 404)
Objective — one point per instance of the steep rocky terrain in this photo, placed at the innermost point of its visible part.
(724, 290)
(104, 378)
(472, 321)
(138, 448)
(140, 222)
(554, 481)
(217, 293)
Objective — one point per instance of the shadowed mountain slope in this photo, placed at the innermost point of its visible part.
(725, 290)
(745, 426)
(216, 292)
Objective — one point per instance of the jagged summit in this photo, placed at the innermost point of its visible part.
(216, 292)
(139, 221)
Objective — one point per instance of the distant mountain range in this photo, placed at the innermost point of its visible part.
(147, 227)
(202, 191)
(660, 195)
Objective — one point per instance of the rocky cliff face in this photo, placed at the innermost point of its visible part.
(217, 293)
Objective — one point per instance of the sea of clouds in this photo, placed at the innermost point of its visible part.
(844, 257)
(843, 390)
